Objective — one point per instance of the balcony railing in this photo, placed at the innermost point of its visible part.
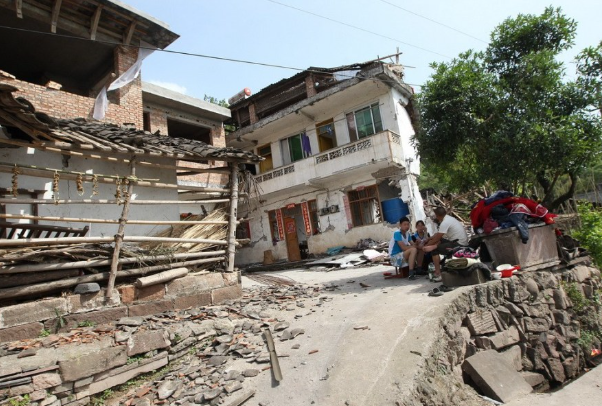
(275, 173)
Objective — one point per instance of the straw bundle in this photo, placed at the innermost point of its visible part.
(205, 231)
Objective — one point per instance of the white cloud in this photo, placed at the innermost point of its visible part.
(169, 85)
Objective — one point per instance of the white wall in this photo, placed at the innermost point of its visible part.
(67, 190)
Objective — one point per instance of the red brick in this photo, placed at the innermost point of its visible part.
(146, 309)
(128, 293)
(153, 292)
(198, 300)
(228, 293)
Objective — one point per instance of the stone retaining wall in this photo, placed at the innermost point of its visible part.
(530, 319)
(29, 320)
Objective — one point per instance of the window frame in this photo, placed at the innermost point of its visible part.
(353, 128)
(314, 218)
(265, 165)
(273, 223)
(287, 151)
(358, 203)
(319, 135)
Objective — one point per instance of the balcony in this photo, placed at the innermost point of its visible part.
(355, 161)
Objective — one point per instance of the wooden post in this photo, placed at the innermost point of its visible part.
(233, 216)
(115, 265)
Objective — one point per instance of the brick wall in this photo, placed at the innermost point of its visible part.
(125, 104)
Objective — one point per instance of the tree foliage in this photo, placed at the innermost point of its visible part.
(508, 115)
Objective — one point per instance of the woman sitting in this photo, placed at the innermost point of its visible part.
(403, 252)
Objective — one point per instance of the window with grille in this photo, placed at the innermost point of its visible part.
(365, 206)
(364, 122)
(313, 216)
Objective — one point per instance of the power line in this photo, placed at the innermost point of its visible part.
(219, 58)
(433, 21)
(358, 28)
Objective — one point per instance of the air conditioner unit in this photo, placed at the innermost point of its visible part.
(334, 208)
(324, 211)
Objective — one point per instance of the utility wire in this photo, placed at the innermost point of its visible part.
(358, 28)
(433, 21)
(219, 58)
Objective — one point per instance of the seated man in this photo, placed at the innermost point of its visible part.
(450, 234)
(403, 251)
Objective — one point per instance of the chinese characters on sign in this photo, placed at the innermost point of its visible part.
(306, 219)
(280, 225)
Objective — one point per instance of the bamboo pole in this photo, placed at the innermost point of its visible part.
(105, 201)
(233, 216)
(49, 175)
(93, 155)
(62, 171)
(115, 265)
(102, 262)
(20, 291)
(107, 221)
(34, 242)
(161, 277)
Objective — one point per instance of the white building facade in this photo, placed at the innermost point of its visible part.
(339, 162)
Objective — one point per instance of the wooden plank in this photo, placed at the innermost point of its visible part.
(36, 242)
(4, 201)
(94, 22)
(109, 221)
(19, 8)
(56, 9)
(127, 38)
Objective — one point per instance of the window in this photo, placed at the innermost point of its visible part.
(292, 150)
(365, 206)
(313, 216)
(265, 152)
(273, 225)
(364, 122)
(243, 230)
(326, 136)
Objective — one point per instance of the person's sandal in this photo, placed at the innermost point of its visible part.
(444, 288)
(437, 279)
(435, 292)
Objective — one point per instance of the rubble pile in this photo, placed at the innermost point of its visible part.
(190, 351)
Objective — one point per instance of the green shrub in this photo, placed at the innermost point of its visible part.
(590, 233)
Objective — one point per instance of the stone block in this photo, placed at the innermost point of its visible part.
(84, 288)
(149, 293)
(196, 300)
(505, 338)
(562, 317)
(90, 301)
(83, 382)
(556, 370)
(495, 377)
(481, 322)
(149, 308)
(64, 387)
(127, 293)
(20, 390)
(16, 333)
(80, 402)
(127, 367)
(125, 376)
(31, 312)
(231, 278)
(190, 284)
(91, 363)
(513, 356)
(537, 325)
(588, 290)
(514, 309)
(48, 401)
(581, 273)
(145, 341)
(546, 280)
(533, 378)
(483, 342)
(37, 395)
(97, 317)
(560, 299)
(571, 367)
(47, 380)
(221, 295)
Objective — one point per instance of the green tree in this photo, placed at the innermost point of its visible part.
(215, 100)
(507, 115)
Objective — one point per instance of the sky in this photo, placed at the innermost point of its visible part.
(267, 31)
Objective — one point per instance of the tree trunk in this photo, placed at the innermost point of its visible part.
(566, 196)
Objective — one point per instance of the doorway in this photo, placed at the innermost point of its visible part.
(292, 242)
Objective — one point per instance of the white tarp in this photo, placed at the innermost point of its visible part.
(102, 102)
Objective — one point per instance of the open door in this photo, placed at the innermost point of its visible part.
(292, 242)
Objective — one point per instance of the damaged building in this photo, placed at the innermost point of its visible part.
(339, 165)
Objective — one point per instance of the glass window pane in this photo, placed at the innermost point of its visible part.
(296, 151)
(363, 119)
(378, 124)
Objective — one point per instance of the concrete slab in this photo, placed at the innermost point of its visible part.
(495, 377)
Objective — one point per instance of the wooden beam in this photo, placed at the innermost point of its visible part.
(35, 242)
(109, 221)
(56, 9)
(233, 216)
(19, 8)
(101, 201)
(94, 22)
(129, 33)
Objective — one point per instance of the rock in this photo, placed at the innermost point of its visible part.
(231, 375)
(296, 331)
(483, 342)
(296, 347)
(46, 380)
(224, 325)
(83, 288)
(263, 358)
(30, 352)
(224, 339)
(514, 309)
(130, 321)
(481, 323)
(121, 336)
(505, 338)
(145, 341)
(532, 288)
(233, 387)
(513, 356)
(211, 393)
(495, 377)
(556, 370)
(217, 360)
(249, 373)
(581, 273)
(281, 326)
(166, 389)
(536, 325)
(571, 367)
(560, 299)
(533, 378)
(286, 335)
(562, 317)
